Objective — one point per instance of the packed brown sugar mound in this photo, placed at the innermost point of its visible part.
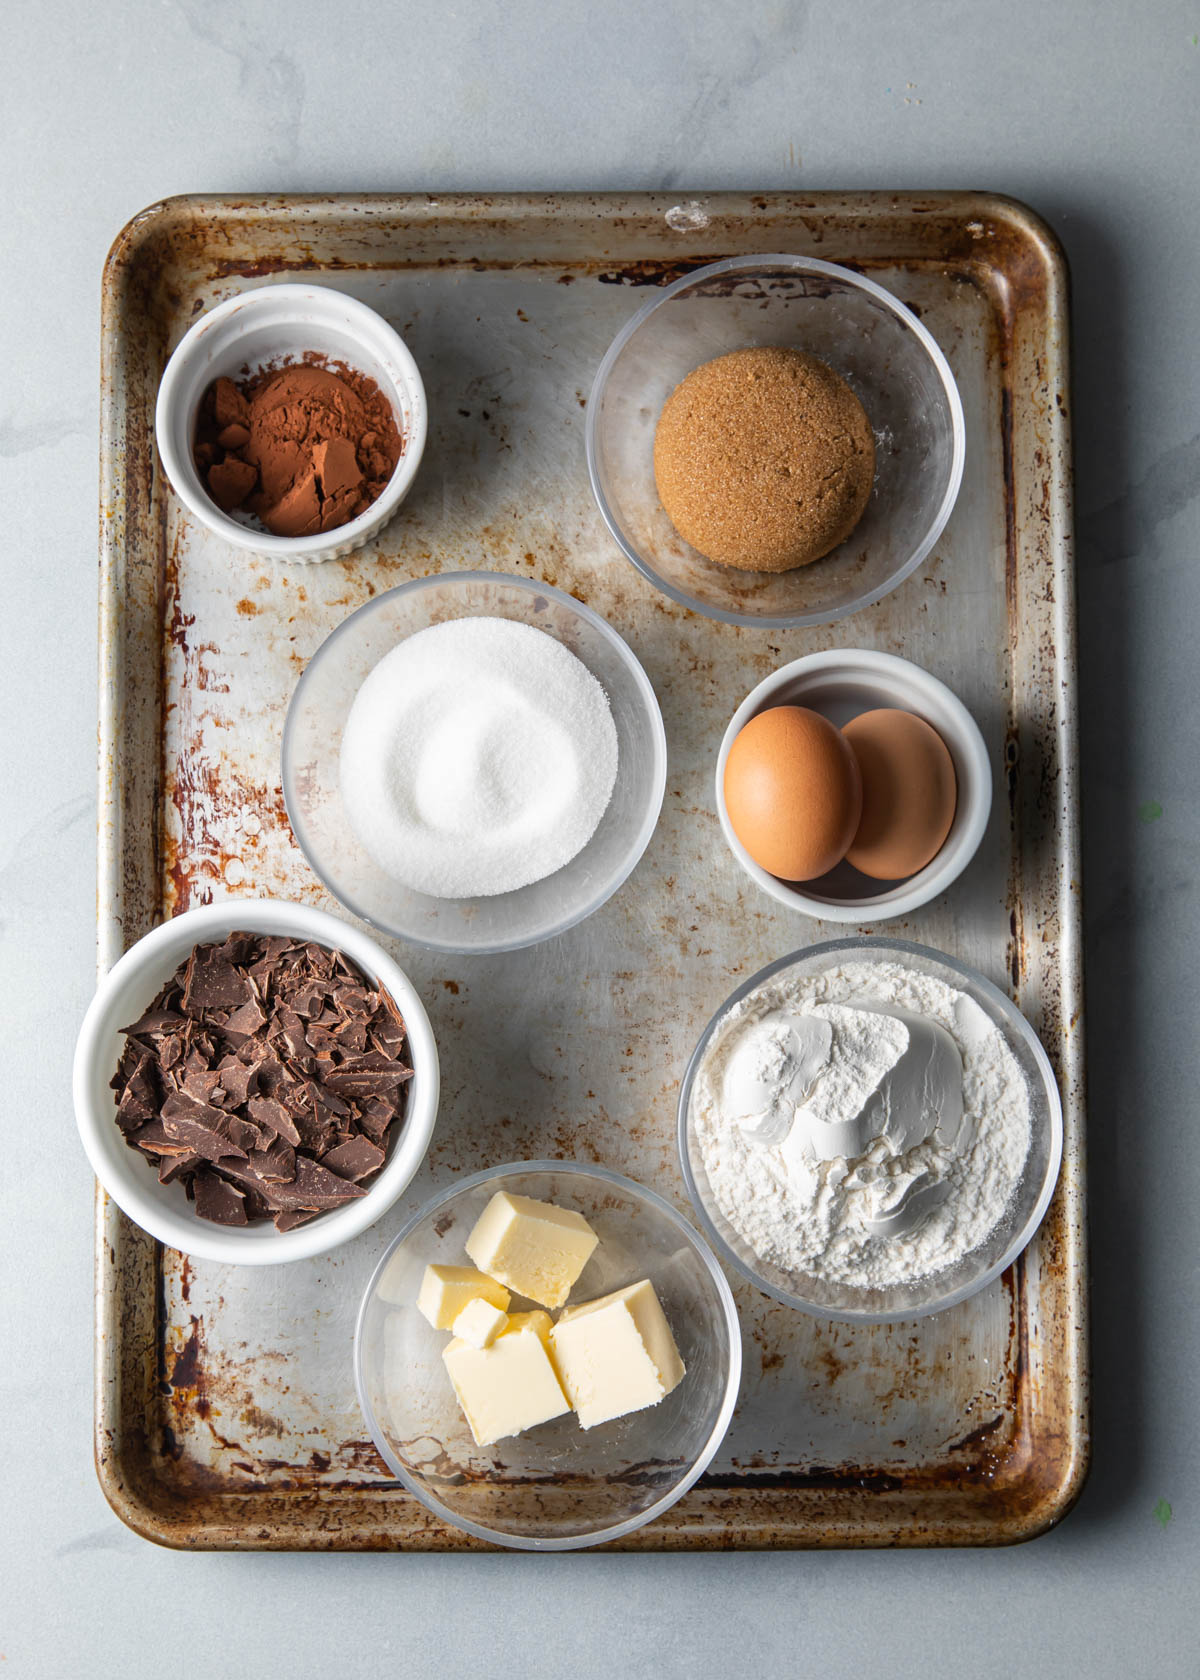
(764, 459)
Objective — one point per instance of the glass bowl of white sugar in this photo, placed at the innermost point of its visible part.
(473, 762)
(870, 1131)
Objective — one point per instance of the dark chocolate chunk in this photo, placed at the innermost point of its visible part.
(274, 1165)
(356, 1159)
(273, 1077)
(375, 1116)
(246, 1020)
(155, 1139)
(204, 1129)
(200, 1082)
(237, 1080)
(387, 1033)
(218, 1200)
(358, 1078)
(289, 1032)
(155, 1021)
(170, 1052)
(172, 1167)
(265, 1077)
(272, 1117)
(309, 1000)
(293, 1217)
(313, 1187)
(245, 1134)
(140, 1097)
(211, 981)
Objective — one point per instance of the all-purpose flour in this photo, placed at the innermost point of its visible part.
(825, 1217)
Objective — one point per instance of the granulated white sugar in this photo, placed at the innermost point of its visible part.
(479, 756)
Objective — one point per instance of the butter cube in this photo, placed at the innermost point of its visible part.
(537, 1249)
(616, 1355)
(446, 1290)
(505, 1388)
(539, 1322)
(479, 1323)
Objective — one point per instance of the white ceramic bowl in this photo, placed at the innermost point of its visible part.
(163, 1210)
(556, 1487)
(937, 1291)
(839, 684)
(312, 748)
(280, 323)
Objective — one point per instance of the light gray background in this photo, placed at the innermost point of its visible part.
(1088, 111)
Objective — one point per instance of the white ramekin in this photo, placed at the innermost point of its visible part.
(841, 683)
(132, 1182)
(282, 323)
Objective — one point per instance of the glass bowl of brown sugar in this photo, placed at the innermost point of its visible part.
(873, 343)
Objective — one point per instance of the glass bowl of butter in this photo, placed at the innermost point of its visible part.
(547, 1356)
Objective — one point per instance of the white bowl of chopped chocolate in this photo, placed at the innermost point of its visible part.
(255, 1082)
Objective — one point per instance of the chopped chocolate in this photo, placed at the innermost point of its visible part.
(156, 1020)
(372, 1075)
(276, 1164)
(155, 1139)
(376, 1116)
(297, 1216)
(289, 1032)
(246, 1021)
(172, 1167)
(210, 981)
(218, 1200)
(140, 1099)
(271, 1116)
(357, 1158)
(313, 1187)
(237, 1080)
(309, 1000)
(204, 1129)
(265, 1078)
(200, 1082)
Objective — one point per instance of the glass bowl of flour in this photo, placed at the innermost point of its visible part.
(870, 1131)
(542, 702)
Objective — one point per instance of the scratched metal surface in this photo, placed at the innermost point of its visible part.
(226, 1412)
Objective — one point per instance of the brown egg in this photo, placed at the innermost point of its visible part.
(792, 792)
(909, 793)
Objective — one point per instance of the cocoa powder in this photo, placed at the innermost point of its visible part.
(306, 447)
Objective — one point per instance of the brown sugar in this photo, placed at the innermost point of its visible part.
(764, 459)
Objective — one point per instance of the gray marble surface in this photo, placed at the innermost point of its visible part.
(1088, 112)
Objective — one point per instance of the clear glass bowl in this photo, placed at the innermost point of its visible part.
(557, 1487)
(976, 1270)
(312, 742)
(886, 357)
